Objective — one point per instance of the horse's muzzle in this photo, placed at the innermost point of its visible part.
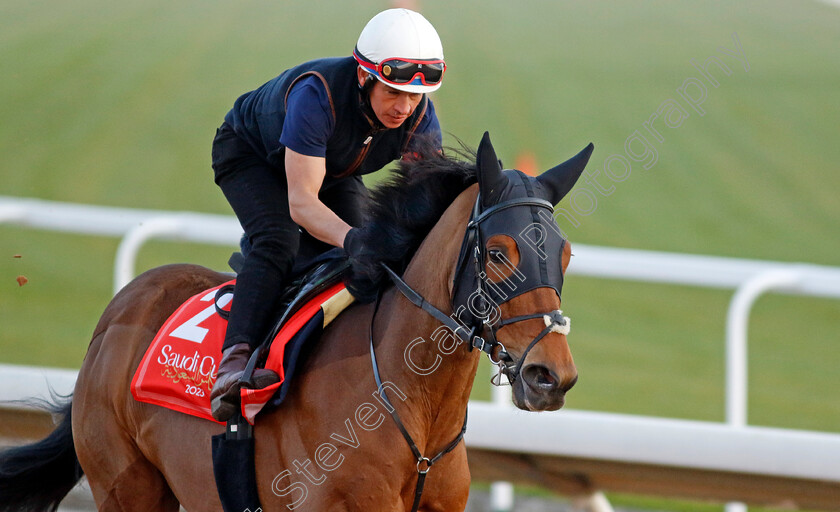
(541, 389)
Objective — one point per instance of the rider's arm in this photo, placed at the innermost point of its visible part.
(305, 174)
(308, 125)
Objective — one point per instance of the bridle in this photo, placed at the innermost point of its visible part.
(480, 333)
(474, 250)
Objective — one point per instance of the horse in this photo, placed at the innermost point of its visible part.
(474, 246)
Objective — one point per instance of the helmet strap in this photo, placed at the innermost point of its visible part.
(364, 99)
(370, 81)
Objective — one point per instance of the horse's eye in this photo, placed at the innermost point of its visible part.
(496, 255)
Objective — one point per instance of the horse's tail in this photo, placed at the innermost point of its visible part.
(36, 477)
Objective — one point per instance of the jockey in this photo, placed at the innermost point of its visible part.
(289, 159)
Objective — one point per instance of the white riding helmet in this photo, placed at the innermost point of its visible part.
(402, 50)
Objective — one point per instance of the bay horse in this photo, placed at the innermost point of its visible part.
(488, 255)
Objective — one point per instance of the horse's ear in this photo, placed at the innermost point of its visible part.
(559, 180)
(491, 181)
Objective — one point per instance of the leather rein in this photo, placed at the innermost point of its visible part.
(489, 344)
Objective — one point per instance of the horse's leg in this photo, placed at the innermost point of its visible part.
(138, 486)
(180, 446)
(120, 477)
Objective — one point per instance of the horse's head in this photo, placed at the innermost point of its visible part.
(509, 277)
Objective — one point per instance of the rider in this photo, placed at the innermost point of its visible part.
(289, 159)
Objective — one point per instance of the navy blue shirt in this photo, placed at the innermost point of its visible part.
(309, 121)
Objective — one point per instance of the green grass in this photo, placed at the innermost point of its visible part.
(116, 104)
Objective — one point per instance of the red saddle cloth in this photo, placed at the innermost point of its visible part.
(179, 367)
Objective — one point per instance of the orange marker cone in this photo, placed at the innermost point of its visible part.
(527, 163)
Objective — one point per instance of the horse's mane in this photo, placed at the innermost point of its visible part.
(406, 206)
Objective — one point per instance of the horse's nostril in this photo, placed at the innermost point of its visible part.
(540, 377)
(545, 379)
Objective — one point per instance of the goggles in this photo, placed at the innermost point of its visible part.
(400, 71)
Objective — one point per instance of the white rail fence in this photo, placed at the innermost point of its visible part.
(135, 227)
(749, 279)
(698, 448)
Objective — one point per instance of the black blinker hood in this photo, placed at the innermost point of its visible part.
(519, 206)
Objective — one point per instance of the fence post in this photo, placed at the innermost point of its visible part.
(501, 493)
(133, 240)
(737, 322)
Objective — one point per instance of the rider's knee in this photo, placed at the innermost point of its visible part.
(277, 247)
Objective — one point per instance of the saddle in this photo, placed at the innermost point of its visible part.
(309, 279)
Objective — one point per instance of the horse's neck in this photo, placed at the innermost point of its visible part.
(435, 377)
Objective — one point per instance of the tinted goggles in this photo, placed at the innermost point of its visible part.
(405, 71)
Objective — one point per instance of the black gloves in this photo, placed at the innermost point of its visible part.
(365, 275)
(353, 243)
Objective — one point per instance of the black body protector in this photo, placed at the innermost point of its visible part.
(521, 207)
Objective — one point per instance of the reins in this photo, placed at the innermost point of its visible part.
(555, 321)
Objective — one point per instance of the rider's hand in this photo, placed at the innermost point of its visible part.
(353, 243)
(364, 276)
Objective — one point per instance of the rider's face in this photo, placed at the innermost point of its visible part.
(392, 107)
